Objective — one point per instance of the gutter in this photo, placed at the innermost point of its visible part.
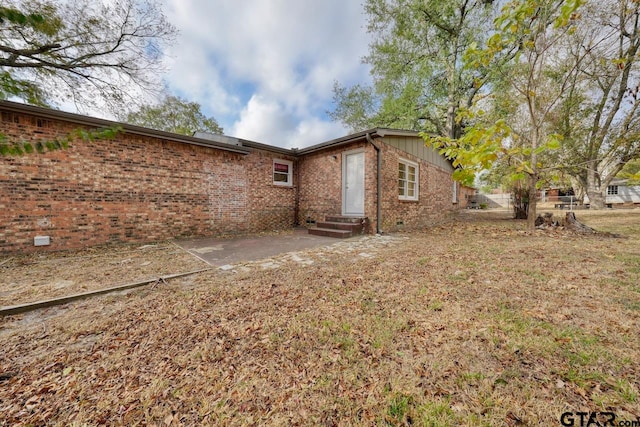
(296, 201)
(378, 183)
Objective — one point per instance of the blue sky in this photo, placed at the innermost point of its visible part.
(265, 68)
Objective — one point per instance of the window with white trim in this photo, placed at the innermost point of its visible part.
(407, 180)
(455, 192)
(612, 190)
(282, 172)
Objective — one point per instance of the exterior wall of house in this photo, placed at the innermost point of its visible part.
(270, 207)
(145, 187)
(132, 189)
(552, 195)
(627, 194)
(435, 202)
(321, 183)
(415, 146)
(465, 195)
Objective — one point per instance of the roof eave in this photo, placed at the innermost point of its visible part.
(349, 139)
(128, 128)
(355, 137)
(259, 146)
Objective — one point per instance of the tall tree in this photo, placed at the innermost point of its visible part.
(174, 114)
(419, 78)
(600, 116)
(535, 82)
(90, 53)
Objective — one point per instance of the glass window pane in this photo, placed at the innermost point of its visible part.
(401, 188)
(279, 167)
(411, 190)
(280, 177)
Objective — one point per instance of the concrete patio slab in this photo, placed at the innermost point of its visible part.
(221, 252)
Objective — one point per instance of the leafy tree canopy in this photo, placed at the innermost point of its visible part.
(631, 172)
(536, 80)
(89, 53)
(416, 57)
(176, 115)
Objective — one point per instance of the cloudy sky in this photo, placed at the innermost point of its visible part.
(265, 68)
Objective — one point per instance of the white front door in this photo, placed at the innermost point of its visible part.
(353, 183)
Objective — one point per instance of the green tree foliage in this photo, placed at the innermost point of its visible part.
(536, 79)
(419, 78)
(600, 113)
(591, 81)
(174, 114)
(631, 172)
(90, 53)
(20, 147)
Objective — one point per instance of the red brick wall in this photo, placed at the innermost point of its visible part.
(321, 189)
(464, 195)
(131, 189)
(435, 201)
(321, 182)
(142, 188)
(271, 207)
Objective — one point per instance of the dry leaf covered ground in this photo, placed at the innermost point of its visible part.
(34, 277)
(471, 323)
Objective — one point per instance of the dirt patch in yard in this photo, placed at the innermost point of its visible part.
(35, 277)
(478, 322)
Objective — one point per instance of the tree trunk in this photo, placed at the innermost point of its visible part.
(452, 99)
(520, 202)
(533, 199)
(572, 223)
(595, 193)
(597, 200)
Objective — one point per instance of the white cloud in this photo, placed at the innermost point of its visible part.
(314, 131)
(265, 68)
(267, 122)
(194, 77)
(263, 121)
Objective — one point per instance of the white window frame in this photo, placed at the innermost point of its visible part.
(289, 181)
(612, 190)
(416, 193)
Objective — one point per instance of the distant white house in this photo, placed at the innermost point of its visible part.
(619, 192)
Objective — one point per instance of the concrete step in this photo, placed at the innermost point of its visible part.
(356, 228)
(329, 232)
(345, 219)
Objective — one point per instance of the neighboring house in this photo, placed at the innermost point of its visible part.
(467, 197)
(557, 194)
(147, 185)
(619, 192)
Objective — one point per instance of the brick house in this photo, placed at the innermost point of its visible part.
(147, 185)
(466, 197)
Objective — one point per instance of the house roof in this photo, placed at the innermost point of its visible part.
(204, 139)
(224, 139)
(619, 181)
(354, 137)
(128, 128)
